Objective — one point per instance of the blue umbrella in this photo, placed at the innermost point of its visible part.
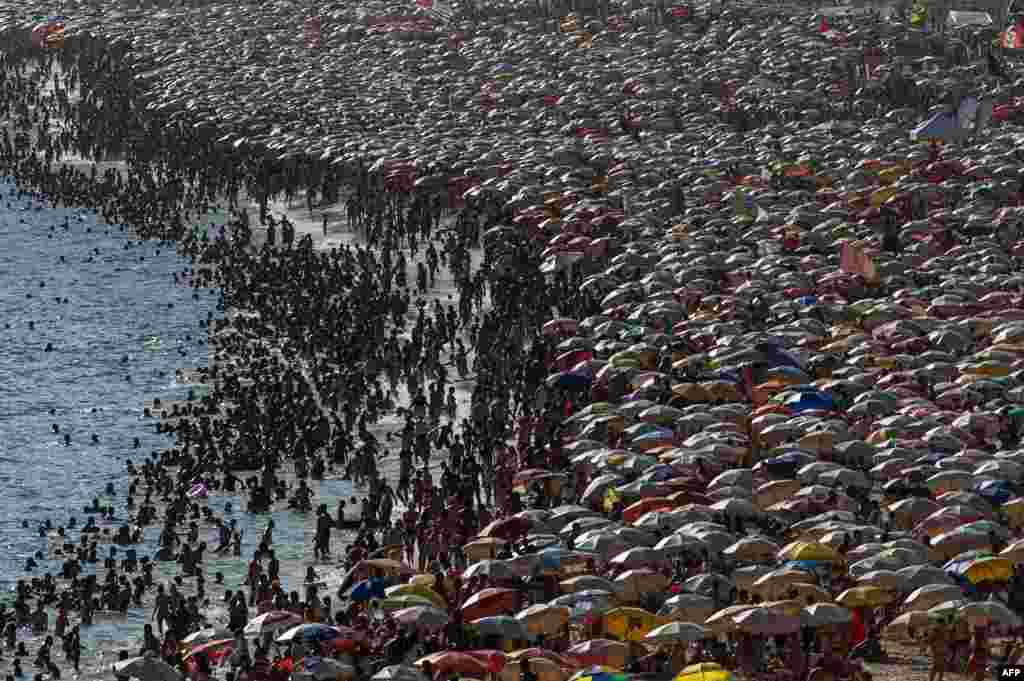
(310, 632)
(569, 380)
(808, 401)
(996, 491)
(942, 126)
(777, 356)
(367, 590)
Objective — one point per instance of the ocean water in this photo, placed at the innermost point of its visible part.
(116, 294)
(121, 294)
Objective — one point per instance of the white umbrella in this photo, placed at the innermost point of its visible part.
(399, 672)
(678, 631)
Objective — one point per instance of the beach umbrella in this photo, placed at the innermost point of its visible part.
(502, 626)
(826, 614)
(926, 597)
(492, 569)
(683, 632)
(399, 672)
(544, 618)
(914, 621)
(982, 569)
(723, 621)
(631, 585)
(206, 635)
(598, 673)
(422, 617)
(865, 597)
(214, 650)
(490, 602)
(688, 607)
(813, 551)
(147, 668)
(326, 668)
(587, 583)
(989, 613)
(269, 622)
(447, 662)
(764, 622)
(545, 669)
(630, 624)
(924, 575)
(600, 651)
(752, 549)
(704, 671)
(309, 632)
(483, 549)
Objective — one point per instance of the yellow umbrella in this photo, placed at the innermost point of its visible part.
(705, 671)
(544, 618)
(417, 590)
(865, 597)
(805, 550)
(631, 624)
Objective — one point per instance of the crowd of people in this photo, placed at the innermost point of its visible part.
(589, 352)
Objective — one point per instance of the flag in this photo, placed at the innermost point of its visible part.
(853, 260)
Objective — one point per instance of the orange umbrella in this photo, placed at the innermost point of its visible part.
(450, 661)
(490, 602)
(634, 511)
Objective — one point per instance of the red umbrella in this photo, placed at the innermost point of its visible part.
(216, 651)
(346, 642)
(451, 661)
(490, 602)
(494, 659)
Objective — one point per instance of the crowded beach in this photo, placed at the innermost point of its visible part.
(655, 342)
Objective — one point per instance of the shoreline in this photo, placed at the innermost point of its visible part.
(293, 568)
